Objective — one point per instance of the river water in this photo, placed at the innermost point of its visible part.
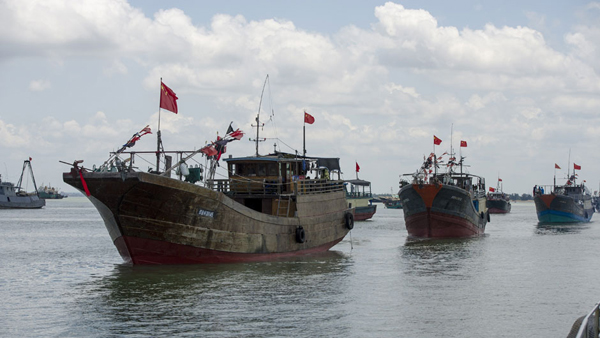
(62, 277)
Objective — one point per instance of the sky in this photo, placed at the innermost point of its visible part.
(518, 80)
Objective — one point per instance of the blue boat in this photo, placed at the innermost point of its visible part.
(569, 203)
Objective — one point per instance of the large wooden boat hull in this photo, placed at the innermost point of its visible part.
(552, 208)
(21, 202)
(498, 206)
(441, 211)
(158, 220)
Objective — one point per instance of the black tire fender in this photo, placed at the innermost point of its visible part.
(349, 220)
(300, 235)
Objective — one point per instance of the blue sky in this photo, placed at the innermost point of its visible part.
(519, 80)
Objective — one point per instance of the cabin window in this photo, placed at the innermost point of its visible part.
(240, 169)
(272, 169)
(232, 169)
(262, 169)
(250, 169)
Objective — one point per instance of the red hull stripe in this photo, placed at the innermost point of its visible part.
(147, 251)
(440, 225)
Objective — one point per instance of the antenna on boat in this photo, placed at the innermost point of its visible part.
(569, 166)
(258, 125)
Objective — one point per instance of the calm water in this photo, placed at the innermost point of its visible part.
(62, 277)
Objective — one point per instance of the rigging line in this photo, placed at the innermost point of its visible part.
(275, 138)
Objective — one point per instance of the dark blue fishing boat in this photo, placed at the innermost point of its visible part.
(568, 203)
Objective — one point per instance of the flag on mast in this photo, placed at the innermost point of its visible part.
(308, 118)
(556, 166)
(168, 99)
(437, 141)
(576, 167)
(357, 167)
(463, 144)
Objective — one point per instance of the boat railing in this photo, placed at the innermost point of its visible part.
(589, 325)
(358, 194)
(274, 187)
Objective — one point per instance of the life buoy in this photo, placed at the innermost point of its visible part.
(300, 235)
(349, 218)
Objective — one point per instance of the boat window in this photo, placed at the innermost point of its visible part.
(262, 169)
(250, 169)
(272, 169)
(240, 169)
(232, 169)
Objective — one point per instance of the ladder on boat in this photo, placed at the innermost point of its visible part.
(283, 205)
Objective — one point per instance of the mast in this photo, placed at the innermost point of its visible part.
(258, 125)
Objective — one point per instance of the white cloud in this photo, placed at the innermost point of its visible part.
(39, 85)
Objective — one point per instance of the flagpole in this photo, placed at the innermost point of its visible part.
(158, 132)
(304, 140)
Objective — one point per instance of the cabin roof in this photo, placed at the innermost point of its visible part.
(331, 163)
(359, 182)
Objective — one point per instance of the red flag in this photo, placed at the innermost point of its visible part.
(237, 134)
(209, 150)
(556, 166)
(357, 167)
(492, 189)
(499, 180)
(463, 144)
(30, 159)
(437, 141)
(576, 167)
(308, 118)
(168, 99)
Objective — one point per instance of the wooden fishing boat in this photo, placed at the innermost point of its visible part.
(563, 204)
(568, 203)
(444, 205)
(267, 207)
(497, 201)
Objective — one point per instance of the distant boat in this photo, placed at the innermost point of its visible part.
(497, 201)
(569, 203)
(444, 205)
(360, 199)
(48, 192)
(392, 202)
(15, 197)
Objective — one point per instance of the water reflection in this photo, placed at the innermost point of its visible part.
(444, 257)
(560, 228)
(216, 300)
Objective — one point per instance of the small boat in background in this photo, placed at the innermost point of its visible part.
(568, 203)
(392, 202)
(49, 193)
(497, 201)
(360, 199)
(15, 197)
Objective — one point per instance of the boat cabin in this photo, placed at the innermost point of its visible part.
(272, 183)
(358, 189)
